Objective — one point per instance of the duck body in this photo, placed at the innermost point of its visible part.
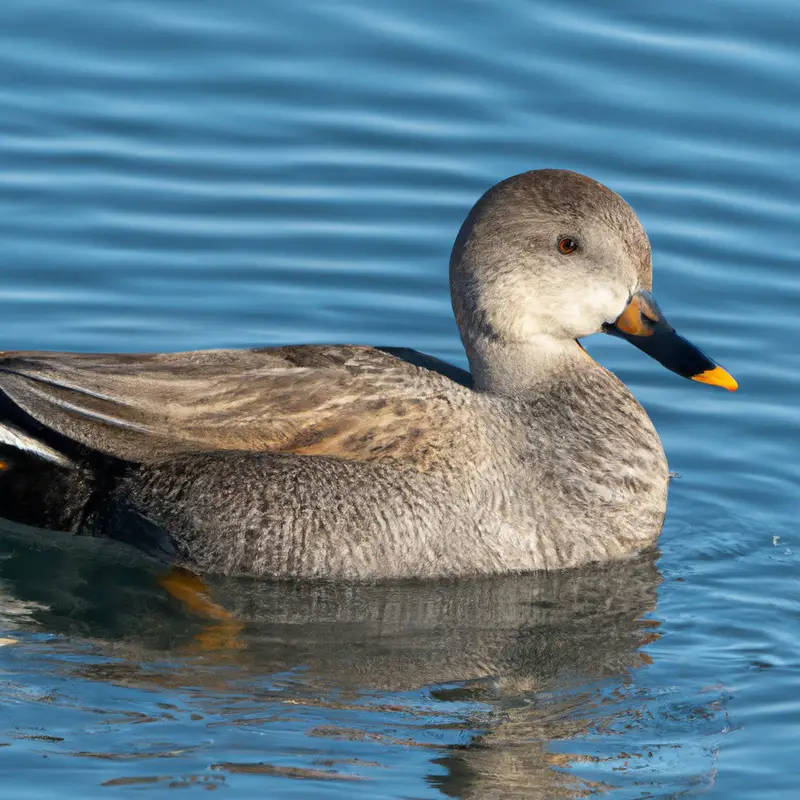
(351, 462)
(416, 476)
(482, 502)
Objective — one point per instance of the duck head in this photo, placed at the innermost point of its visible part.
(545, 258)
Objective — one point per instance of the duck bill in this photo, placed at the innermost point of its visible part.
(643, 325)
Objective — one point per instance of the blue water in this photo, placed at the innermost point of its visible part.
(179, 174)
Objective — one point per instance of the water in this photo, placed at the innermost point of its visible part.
(180, 175)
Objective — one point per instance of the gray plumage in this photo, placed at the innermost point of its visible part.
(354, 462)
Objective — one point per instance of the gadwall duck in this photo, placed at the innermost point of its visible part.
(363, 463)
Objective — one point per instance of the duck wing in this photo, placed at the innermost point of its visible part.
(351, 402)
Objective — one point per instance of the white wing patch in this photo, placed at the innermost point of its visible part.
(20, 440)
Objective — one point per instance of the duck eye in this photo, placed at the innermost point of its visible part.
(567, 245)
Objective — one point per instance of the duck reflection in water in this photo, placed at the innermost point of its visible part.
(527, 660)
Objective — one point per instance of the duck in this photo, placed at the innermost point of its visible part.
(352, 462)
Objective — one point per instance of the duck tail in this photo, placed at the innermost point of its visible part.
(39, 485)
(16, 439)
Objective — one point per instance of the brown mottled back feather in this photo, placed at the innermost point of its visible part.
(350, 402)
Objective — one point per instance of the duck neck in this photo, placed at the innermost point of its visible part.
(514, 368)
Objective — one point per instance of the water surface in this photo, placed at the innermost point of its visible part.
(179, 175)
